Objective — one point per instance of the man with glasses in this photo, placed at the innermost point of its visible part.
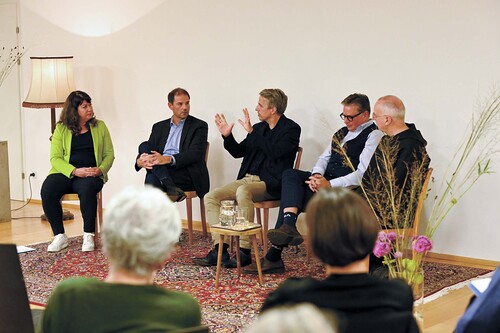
(342, 164)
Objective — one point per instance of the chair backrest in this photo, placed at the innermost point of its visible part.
(421, 201)
(298, 158)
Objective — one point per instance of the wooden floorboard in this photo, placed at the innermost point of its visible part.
(440, 315)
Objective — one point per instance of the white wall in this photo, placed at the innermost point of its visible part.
(440, 57)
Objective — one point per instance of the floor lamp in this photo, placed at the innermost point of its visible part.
(51, 83)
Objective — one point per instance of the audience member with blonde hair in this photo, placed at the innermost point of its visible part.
(342, 230)
(141, 228)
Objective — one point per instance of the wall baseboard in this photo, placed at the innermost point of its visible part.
(463, 261)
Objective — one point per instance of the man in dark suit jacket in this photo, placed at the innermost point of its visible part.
(268, 149)
(174, 155)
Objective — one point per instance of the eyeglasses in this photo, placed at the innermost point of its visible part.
(349, 118)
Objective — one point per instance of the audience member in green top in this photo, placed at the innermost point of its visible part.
(141, 227)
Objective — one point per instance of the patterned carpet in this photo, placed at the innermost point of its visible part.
(225, 309)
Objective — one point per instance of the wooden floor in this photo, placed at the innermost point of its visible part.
(26, 227)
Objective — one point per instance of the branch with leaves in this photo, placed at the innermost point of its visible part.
(470, 162)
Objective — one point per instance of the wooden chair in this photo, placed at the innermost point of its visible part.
(189, 208)
(99, 217)
(267, 204)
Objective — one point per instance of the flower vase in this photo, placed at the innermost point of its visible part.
(416, 281)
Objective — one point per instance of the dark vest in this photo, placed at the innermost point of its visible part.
(337, 167)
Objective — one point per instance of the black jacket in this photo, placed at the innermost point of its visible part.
(279, 151)
(361, 302)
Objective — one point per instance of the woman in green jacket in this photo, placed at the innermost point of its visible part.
(81, 154)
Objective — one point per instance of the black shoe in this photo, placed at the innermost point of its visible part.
(175, 193)
(245, 260)
(285, 235)
(211, 258)
(268, 267)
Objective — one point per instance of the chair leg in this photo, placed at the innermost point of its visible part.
(265, 228)
(203, 217)
(99, 219)
(259, 221)
(189, 212)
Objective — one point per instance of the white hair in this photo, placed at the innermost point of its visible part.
(300, 318)
(140, 229)
(392, 106)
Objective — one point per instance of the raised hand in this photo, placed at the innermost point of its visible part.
(224, 128)
(247, 125)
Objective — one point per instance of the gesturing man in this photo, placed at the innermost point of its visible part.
(268, 149)
(174, 155)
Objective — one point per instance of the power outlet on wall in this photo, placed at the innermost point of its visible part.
(32, 174)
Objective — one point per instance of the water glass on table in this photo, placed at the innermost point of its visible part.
(241, 218)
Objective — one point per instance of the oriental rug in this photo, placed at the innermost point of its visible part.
(228, 308)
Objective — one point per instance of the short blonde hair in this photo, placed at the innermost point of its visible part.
(276, 98)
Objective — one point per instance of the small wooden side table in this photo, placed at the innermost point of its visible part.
(251, 231)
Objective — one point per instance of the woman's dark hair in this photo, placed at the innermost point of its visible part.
(341, 226)
(69, 114)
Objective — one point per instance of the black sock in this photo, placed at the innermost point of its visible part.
(225, 247)
(290, 219)
(274, 253)
(245, 251)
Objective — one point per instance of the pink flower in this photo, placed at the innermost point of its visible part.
(381, 249)
(391, 236)
(382, 236)
(398, 254)
(422, 244)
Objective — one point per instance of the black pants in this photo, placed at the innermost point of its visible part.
(56, 185)
(180, 177)
(294, 192)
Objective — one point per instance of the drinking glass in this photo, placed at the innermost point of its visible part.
(226, 215)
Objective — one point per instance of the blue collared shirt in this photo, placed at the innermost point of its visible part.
(173, 144)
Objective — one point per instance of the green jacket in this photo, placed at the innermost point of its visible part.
(60, 149)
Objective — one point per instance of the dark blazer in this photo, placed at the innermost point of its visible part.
(192, 150)
(279, 150)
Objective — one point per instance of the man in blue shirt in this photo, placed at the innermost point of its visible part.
(174, 155)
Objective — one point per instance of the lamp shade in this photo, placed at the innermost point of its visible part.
(51, 82)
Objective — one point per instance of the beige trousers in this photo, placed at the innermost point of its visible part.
(245, 191)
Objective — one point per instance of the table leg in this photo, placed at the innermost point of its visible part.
(257, 259)
(219, 259)
(238, 261)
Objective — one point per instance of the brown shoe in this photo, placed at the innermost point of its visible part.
(285, 235)
(268, 267)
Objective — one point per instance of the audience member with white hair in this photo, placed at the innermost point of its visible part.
(141, 228)
(300, 318)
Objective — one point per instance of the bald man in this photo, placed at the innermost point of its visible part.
(389, 115)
